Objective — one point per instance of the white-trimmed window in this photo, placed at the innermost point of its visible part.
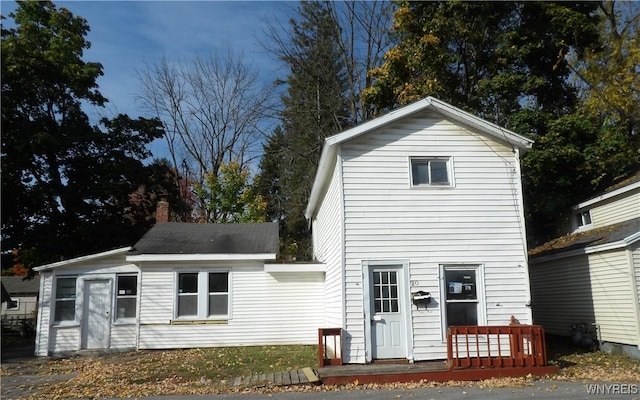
(65, 305)
(431, 171)
(203, 295)
(126, 297)
(462, 294)
(583, 218)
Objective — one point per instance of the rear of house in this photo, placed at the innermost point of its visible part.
(590, 277)
(181, 286)
(418, 217)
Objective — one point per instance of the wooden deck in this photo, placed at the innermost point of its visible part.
(428, 370)
(473, 353)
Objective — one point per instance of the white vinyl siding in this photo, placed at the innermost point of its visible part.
(327, 246)
(266, 308)
(476, 222)
(54, 338)
(617, 209)
(593, 288)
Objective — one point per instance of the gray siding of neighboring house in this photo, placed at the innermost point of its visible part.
(592, 288)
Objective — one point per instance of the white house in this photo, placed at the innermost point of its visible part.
(591, 275)
(182, 285)
(423, 202)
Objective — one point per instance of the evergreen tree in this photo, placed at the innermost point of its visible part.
(314, 107)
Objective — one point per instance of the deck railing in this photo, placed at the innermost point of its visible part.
(496, 346)
(329, 346)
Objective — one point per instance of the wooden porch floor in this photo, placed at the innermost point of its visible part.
(425, 370)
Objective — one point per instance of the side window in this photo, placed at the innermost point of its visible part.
(126, 297)
(65, 306)
(431, 172)
(461, 296)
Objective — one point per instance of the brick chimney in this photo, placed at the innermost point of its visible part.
(162, 211)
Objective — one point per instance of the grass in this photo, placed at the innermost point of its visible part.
(197, 371)
(145, 373)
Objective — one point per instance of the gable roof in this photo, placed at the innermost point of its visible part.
(18, 285)
(89, 257)
(330, 148)
(170, 241)
(591, 241)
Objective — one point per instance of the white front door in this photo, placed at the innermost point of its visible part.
(97, 314)
(388, 330)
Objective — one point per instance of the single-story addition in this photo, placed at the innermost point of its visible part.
(418, 217)
(586, 283)
(182, 285)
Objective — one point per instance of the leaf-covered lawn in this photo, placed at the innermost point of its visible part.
(199, 371)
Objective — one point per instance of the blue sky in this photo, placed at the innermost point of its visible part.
(127, 35)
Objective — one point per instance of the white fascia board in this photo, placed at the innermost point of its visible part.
(620, 244)
(295, 267)
(607, 196)
(483, 125)
(83, 258)
(200, 257)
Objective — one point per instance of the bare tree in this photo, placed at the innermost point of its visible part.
(213, 110)
(363, 40)
(362, 33)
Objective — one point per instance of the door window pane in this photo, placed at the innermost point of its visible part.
(385, 291)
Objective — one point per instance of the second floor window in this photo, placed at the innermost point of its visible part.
(430, 171)
(583, 218)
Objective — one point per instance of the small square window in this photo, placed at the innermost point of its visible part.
(430, 172)
(583, 218)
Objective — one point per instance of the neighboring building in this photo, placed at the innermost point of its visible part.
(23, 295)
(182, 285)
(418, 217)
(591, 275)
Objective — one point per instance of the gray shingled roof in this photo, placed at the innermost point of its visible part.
(17, 285)
(189, 238)
(590, 238)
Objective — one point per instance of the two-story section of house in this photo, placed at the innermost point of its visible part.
(586, 283)
(418, 217)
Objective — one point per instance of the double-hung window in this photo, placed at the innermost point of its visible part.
(462, 294)
(431, 171)
(203, 295)
(65, 306)
(126, 297)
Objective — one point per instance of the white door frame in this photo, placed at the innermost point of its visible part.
(405, 303)
(84, 334)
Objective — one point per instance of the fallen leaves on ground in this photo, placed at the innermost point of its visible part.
(200, 371)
